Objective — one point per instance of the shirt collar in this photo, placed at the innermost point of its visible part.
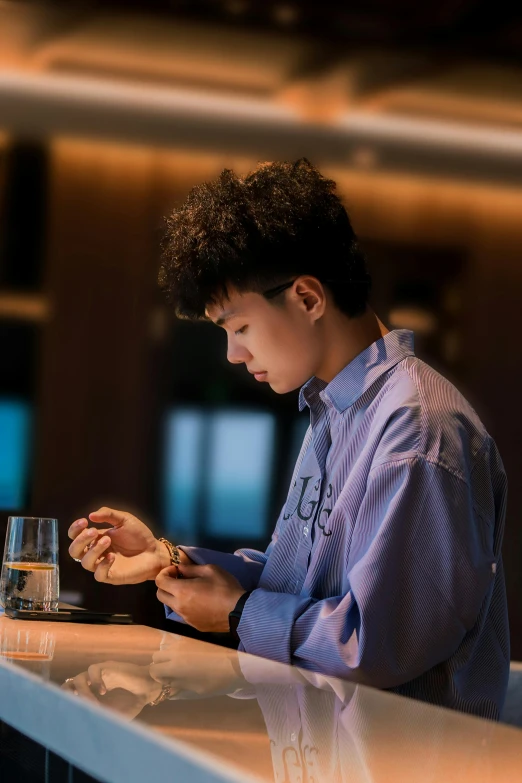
(354, 379)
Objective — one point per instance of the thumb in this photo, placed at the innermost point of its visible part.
(171, 571)
(192, 570)
(110, 515)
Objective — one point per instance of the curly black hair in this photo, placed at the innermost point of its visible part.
(281, 221)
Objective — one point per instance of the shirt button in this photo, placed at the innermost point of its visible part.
(293, 737)
(305, 531)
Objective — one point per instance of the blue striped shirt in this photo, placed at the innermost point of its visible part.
(385, 564)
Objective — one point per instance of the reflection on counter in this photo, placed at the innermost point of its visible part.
(317, 728)
(28, 643)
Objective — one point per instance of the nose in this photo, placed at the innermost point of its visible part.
(237, 354)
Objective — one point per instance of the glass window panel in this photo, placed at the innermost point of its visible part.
(240, 462)
(15, 425)
(183, 472)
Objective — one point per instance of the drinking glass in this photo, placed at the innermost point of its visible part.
(30, 576)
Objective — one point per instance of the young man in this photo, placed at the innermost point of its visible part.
(385, 564)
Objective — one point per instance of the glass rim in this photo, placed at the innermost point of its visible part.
(39, 519)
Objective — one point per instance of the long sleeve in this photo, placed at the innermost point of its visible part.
(419, 568)
(245, 568)
(245, 564)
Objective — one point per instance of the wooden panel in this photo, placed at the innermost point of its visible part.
(96, 381)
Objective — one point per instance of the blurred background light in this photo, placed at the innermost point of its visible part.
(183, 472)
(15, 443)
(239, 473)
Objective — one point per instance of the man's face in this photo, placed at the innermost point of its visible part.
(277, 340)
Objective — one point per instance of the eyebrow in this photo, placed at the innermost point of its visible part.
(225, 316)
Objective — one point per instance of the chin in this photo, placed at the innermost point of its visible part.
(280, 387)
(276, 387)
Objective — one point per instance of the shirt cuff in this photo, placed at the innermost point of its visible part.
(266, 624)
(170, 614)
(247, 572)
(262, 671)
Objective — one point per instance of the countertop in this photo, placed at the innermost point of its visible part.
(84, 691)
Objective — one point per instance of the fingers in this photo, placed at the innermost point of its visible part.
(79, 686)
(161, 657)
(95, 679)
(111, 515)
(167, 654)
(167, 575)
(102, 572)
(160, 672)
(168, 580)
(76, 528)
(192, 571)
(69, 685)
(91, 557)
(82, 540)
(104, 514)
(166, 598)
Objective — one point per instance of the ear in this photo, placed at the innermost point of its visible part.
(310, 295)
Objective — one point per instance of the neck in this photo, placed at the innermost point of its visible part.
(345, 338)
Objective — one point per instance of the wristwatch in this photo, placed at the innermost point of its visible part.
(234, 616)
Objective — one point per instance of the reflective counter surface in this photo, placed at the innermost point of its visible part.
(132, 703)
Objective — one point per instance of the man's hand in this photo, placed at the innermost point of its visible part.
(203, 598)
(193, 670)
(123, 687)
(127, 552)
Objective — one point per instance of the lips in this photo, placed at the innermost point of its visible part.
(259, 376)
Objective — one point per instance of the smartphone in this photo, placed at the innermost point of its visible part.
(70, 616)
